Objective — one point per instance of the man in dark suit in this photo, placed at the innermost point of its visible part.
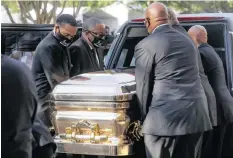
(84, 53)
(51, 65)
(169, 90)
(207, 137)
(19, 107)
(213, 68)
(204, 80)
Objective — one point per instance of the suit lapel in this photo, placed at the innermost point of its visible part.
(66, 61)
(90, 54)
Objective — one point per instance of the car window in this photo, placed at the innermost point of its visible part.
(110, 51)
(126, 58)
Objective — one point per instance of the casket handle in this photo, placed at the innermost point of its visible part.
(75, 129)
(95, 130)
(134, 132)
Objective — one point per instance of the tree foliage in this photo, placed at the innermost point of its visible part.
(189, 6)
(44, 15)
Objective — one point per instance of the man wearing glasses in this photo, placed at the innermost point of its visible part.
(51, 65)
(84, 51)
(171, 98)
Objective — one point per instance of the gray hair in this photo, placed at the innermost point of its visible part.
(172, 19)
(90, 24)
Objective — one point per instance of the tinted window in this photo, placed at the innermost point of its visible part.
(135, 35)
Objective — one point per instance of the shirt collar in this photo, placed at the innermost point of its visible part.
(85, 38)
(159, 26)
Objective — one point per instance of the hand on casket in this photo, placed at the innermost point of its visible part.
(133, 131)
(52, 131)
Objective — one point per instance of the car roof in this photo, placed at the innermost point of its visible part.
(201, 16)
(184, 18)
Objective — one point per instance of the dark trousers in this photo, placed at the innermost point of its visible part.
(185, 146)
(213, 142)
(46, 151)
(227, 150)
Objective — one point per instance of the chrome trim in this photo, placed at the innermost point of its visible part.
(94, 149)
(90, 105)
(93, 97)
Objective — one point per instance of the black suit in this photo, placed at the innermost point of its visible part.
(51, 65)
(170, 93)
(44, 144)
(204, 82)
(214, 70)
(19, 109)
(83, 58)
(212, 106)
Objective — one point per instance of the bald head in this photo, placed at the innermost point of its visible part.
(156, 14)
(198, 34)
(172, 19)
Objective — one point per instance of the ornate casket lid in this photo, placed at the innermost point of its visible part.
(96, 86)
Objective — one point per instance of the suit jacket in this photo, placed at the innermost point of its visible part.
(212, 106)
(83, 58)
(214, 70)
(41, 134)
(19, 107)
(168, 84)
(51, 59)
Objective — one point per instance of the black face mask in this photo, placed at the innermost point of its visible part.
(63, 40)
(97, 41)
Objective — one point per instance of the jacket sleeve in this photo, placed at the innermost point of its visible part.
(49, 61)
(144, 78)
(75, 55)
(19, 111)
(208, 60)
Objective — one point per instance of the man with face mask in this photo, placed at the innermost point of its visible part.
(84, 51)
(51, 65)
(171, 98)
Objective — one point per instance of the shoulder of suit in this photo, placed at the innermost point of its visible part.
(208, 51)
(14, 68)
(160, 36)
(206, 48)
(77, 43)
(48, 41)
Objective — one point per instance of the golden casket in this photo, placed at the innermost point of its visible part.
(92, 112)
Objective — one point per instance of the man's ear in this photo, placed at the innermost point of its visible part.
(56, 27)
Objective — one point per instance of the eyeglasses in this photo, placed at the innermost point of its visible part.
(66, 35)
(146, 20)
(101, 36)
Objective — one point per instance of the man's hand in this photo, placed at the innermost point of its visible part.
(133, 131)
